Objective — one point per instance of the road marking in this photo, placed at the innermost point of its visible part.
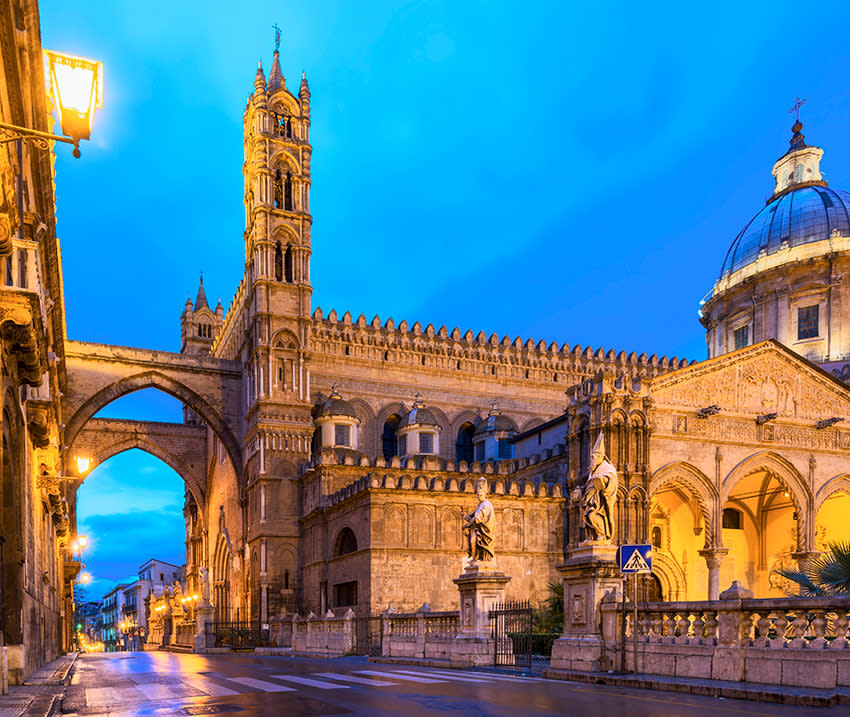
(261, 685)
(359, 680)
(398, 676)
(210, 688)
(457, 678)
(154, 691)
(321, 684)
(489, 675)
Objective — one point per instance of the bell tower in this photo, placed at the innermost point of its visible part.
(276, 335)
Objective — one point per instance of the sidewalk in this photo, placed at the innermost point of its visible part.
(40, 691)
(711, 688)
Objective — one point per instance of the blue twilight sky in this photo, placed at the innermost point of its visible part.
(559, 170)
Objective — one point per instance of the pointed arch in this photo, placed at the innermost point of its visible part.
(192, 478)
(154, 379)
(680, 473)
(836, 484)
(670, 574)
(772, 462)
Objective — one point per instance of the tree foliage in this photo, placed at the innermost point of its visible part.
(549, 616)
(828, 574)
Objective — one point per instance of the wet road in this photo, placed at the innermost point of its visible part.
(163, 683)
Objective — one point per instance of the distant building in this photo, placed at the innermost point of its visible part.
(112, 614)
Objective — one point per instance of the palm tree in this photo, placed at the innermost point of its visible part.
(826, 575)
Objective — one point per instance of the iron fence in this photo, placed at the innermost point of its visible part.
(244, 635)
(511, 630)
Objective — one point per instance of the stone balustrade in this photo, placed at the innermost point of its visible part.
(424, 634)
(328, 635)
(788, 641)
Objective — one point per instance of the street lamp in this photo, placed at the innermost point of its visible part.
(84, 464)
(76, 85)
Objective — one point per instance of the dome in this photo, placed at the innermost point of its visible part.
(494, 422)
(335, 406)
(419, 416)
(801, 216)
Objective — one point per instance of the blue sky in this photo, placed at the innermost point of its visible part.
(564, 171)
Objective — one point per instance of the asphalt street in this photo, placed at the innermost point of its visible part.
(165, 683)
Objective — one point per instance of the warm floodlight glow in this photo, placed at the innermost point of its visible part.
(82, 541)
(76, 85)
(85, 578)
(83, 465)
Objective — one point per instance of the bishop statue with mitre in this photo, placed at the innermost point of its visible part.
(599, 498)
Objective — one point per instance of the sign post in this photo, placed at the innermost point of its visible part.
(634, 559)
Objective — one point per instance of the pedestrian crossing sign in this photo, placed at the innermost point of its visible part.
(635, 558)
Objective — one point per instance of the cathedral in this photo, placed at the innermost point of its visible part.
(330, 460)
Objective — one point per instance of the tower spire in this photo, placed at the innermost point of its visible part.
(201, 299)
(276, 79)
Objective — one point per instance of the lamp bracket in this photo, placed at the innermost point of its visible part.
(39, 139)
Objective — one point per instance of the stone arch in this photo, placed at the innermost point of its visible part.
(193, 479)
(285, 235)
(692, 478)
(532, 423)
(512, 533)
(670, 574)
(395, 527)
(285, 339)
(836, 484)
(785, 472)
(345, 542)
(450, 529)
(154, 379)
(283, 160)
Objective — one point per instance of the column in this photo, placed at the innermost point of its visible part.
(713, 559)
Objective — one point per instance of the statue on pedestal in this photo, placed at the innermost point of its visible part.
(599, 499)
(204, 580)
(481, 525)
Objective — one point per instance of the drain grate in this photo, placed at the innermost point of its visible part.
(211, 709)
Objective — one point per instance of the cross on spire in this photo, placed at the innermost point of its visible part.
(798, 103)
(276, 37)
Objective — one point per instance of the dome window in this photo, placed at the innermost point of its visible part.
(807, 322)
(426, 442)
(742, 336)
(799, 173)
(342, 435)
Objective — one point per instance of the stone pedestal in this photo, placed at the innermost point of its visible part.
(590, 574)
(481, 586)
(203, 616)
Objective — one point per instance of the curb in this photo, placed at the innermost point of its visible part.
(709, 688)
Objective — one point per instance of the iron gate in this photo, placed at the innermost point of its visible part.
(369, 634)
(511, 629)
(237, 635)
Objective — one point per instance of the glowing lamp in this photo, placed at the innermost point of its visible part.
(76, 85)
(83, 464)
(82, 541)
(85, 578)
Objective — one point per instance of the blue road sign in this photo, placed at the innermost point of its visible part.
(635, 558)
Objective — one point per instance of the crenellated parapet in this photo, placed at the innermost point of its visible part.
(475, 353)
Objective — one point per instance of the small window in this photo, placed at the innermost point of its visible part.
(479, 451)
(342, 435)
(345, 594)
(798, 173)
(656, 537)
(402, 445)
(346, 543)
(731, 519)
(742, 337)
(807, 322)
(506, 450)
(426, 442)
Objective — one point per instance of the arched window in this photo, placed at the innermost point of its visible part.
(316, 445)
(288, 265)
(278, 263)
(346, 542)
(798, 173)
(731, 519)
(390, 443)
(584, 450)
(463, 447)
(287, 193)
(656, 536)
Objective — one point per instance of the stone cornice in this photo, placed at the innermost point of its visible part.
(22, 332)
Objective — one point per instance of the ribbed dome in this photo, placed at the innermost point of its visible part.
(419, 416)
(801, 216)
(335, 406)
(494, 422)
